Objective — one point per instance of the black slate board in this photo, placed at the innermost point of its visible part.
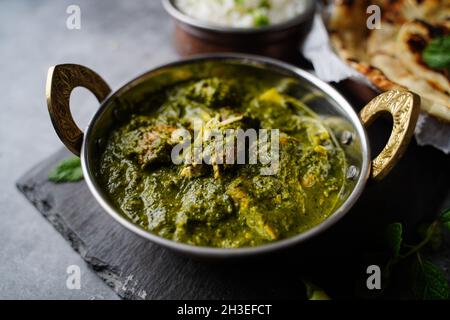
(138, 269)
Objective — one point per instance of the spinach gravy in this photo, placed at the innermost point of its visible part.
(225, 205)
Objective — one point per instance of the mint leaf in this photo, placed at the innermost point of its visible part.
(68, 170)
(437, 53)
(430, 282)
(445, 218)
(260, 20)
(432, 234)
(265, 4)
(393, 237)
(313, 292)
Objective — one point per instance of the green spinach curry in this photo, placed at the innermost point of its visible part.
(225, 205)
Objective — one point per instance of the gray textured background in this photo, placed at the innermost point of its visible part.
(119, 40)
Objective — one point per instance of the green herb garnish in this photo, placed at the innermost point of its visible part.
(68, 170)
(445, 218)
(428, 280)
(437, 53)
(393, 237)
(261, 20)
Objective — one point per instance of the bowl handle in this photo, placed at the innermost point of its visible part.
(404, 107)
(61, 80)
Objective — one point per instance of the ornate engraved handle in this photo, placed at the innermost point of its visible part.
(404, 106)
(61, 80)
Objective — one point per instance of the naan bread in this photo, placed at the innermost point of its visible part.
(391, 57)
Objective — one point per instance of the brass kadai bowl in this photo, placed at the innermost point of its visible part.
(333, 108)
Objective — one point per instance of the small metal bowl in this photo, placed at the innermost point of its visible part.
(334, 109)
(280, 41)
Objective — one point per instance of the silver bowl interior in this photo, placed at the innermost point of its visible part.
(324, 100)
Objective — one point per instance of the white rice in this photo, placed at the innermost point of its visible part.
(241, 13)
